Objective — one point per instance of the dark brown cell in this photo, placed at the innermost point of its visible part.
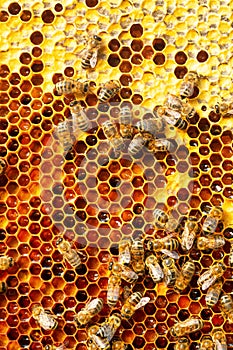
(26, 15)
(14, 8)
(136, 59)
(114, 45)
(47, 16)
(36, 38)
(91, 3)
(137, 45)
(136, 30)
(180, 72)
(159, 44)
(202, 56)
(113, 60)
(4, 15)
(180, 57)
(148, 52)
(159, 59)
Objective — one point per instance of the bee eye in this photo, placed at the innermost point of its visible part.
(59, 241)
(96, 37)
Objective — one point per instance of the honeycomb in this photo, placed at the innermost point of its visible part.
(88, 195)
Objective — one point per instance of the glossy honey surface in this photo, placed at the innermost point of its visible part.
(90, 196)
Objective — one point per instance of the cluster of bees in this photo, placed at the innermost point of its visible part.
(174, 111)
(157, 256)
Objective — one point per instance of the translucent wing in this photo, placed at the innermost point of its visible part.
(220, 346)
(93, 60)
(125, 257)
(171, 254)
(142, 302)
(187, 239)
(93, 304)
(99, 342)
(206, 275)
(156, 271)
(128, 273)
(208, 283)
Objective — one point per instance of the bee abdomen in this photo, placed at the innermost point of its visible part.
(85, 64)
(105, 94)
(181, 124)
(3, 287)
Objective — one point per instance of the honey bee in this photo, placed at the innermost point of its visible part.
(108, 90)
(113, 291)
(187, 86)
(163, 145)
(2, 166)
(166, 245)
(134, 302)
(231, 255)
(188, 326)
(155, 269)
(3, 287)
(211, 222)
(210, 242)
(137, 256)
(170, 270)
(213, 293)
(206, 343)
(6, 262)
(189, 233)
(227, 307)
(69, 254)
(211, 275)
(182, 344)
(123, 272)
(64, 135)
(164, 221)
(151, 125)
(219, 339)
(126, 128)
(124, 251)
(118, 345)
(172, 117)
(44, 318)
(185, 276)
(79, 118)
(138, 142)
(90, 310)
(112, 134)
(106, 331)
(69, 86)
(90, 54)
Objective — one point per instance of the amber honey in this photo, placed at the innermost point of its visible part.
(88, 194)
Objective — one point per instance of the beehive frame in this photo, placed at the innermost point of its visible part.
(88, 195)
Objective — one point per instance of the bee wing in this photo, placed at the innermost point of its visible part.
(92, 305)
(187, 239)
(125, 257)
(142, 302)
(171, 254)
(208, 283)
(93, 60)
(128, 273)
(203, 277)
(156, 271)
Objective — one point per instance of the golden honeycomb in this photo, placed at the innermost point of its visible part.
(90, 196)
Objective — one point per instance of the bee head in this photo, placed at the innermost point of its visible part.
(98, 38)
(3, 287)
(74, 103)
(60, 239)
(110, 265)
(11, 261)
